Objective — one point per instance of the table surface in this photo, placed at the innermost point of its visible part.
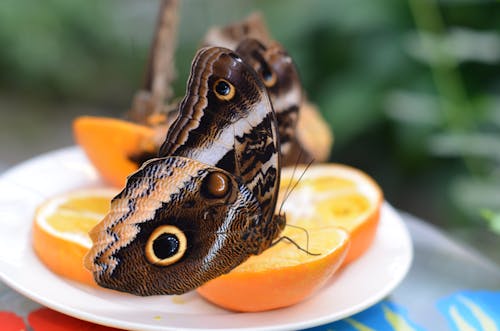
(449, 287)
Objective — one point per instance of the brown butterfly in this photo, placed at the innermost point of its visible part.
(280, 76)
(207, 204)
(251, 39)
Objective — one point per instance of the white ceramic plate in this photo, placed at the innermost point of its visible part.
(358, 286)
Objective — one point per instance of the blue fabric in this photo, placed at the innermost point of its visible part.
(464, 311)
(385, 316)
(472, 310)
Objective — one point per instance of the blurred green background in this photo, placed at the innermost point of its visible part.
(411, 88)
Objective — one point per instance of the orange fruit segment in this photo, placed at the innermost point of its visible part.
(112, 144)
(60, 230)
(282, 275)
(335, 210)
(334, 195)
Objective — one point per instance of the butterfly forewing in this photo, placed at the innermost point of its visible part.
(237, 131)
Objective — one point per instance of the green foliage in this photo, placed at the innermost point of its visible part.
(492, 218)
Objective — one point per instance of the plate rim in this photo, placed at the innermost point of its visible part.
(107, 321)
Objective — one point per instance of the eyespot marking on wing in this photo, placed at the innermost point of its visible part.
(216, 185)
(166, 245)
(223, 89)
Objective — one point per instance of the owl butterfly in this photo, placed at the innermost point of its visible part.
(207, 203)
(280, 76)
(229, 36)
(251, 40)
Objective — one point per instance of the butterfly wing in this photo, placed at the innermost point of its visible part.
(231, 35)
(226, 120)
(279, 74)
(177, 224)
(208, 203)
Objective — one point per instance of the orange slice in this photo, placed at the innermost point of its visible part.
(332, 203)
(60, 230)
(334, 195)
(337, 206)
(282, 275)
(111, 145)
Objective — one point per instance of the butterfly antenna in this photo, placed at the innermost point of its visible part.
(305, 231)
(291, 179)
(291, 241)
(296, 183)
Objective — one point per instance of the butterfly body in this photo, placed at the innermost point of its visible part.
(207, 203)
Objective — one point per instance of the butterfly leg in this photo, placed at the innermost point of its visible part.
(291, 241)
